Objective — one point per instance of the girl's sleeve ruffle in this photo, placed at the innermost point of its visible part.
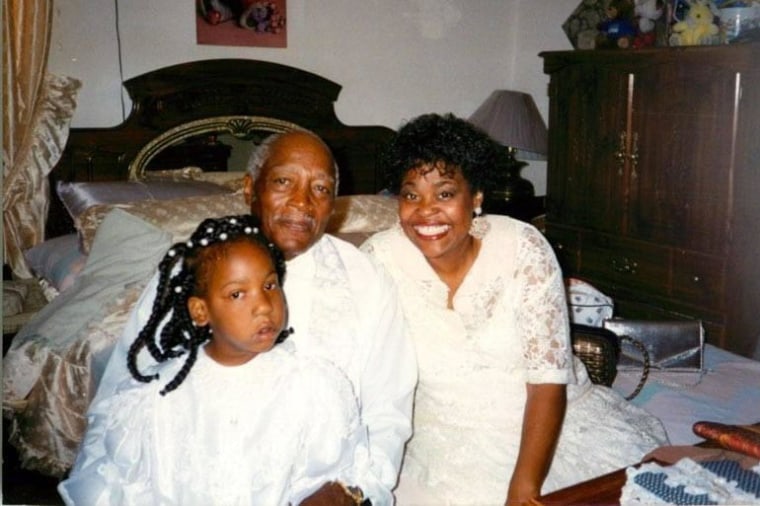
(113, 464)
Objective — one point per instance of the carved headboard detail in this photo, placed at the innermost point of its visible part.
(245, 98)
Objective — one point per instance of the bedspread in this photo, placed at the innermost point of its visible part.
(726, 392)
(53, 364)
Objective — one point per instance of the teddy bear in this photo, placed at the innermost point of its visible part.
(646, 13)
(698, 27)
(618, 29)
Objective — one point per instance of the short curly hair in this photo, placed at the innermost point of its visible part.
(435, 140)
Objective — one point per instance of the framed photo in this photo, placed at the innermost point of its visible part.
(261, 23)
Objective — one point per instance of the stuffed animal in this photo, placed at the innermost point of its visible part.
(698, 28)
(618, 30)
(646, 13)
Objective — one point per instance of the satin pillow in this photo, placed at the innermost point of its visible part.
(77, 197)
(354, 219)
(58, 261)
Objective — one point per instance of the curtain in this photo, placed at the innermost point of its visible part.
(37, 110)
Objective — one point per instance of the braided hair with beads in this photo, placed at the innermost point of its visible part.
(170, 331)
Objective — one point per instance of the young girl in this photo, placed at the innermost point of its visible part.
(209, 424)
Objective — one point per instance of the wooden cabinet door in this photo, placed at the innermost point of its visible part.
(587, 116)
(683, 120)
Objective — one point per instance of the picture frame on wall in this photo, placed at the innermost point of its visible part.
(259, 23)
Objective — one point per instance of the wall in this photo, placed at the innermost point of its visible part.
(395, 58)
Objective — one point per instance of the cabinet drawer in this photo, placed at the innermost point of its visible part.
(699, 279)
(694, 279)
(624, 262)
(566, 245)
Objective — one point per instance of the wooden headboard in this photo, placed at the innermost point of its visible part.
(245, 98)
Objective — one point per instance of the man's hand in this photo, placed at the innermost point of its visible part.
(331, 493)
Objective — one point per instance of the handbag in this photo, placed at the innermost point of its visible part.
(599, 350)
(673, 346)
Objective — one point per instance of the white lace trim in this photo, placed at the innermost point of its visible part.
(333, 311)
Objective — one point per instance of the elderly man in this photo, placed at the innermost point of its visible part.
(341, 306)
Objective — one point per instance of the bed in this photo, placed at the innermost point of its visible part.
(104, 240)
(120, 196)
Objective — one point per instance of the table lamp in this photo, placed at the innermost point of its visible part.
(512, 119)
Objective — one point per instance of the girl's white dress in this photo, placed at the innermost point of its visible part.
(269, 432)
(509, 326)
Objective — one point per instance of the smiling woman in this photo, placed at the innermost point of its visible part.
(484, 297)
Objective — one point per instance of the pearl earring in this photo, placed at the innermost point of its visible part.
(480, 226)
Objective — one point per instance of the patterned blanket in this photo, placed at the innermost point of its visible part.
(714, 477)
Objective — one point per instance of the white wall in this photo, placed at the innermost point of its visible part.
(395, 58)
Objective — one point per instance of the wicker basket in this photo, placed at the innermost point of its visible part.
(598, 349)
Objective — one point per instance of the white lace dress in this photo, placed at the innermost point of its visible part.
(509, 327)
(270, 432)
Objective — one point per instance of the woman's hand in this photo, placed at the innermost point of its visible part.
(331, 493)
(528, 502)
(526, 497)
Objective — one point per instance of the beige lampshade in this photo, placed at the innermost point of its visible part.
(512, 119)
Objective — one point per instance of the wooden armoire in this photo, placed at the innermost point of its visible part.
(653, 184)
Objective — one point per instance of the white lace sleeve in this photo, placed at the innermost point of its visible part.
(113, 464)
(542, 317)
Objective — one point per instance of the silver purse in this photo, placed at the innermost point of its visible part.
(673, 346)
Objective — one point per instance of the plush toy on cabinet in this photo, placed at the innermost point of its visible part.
(698, 27)
(646, 13)
(618, 30)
